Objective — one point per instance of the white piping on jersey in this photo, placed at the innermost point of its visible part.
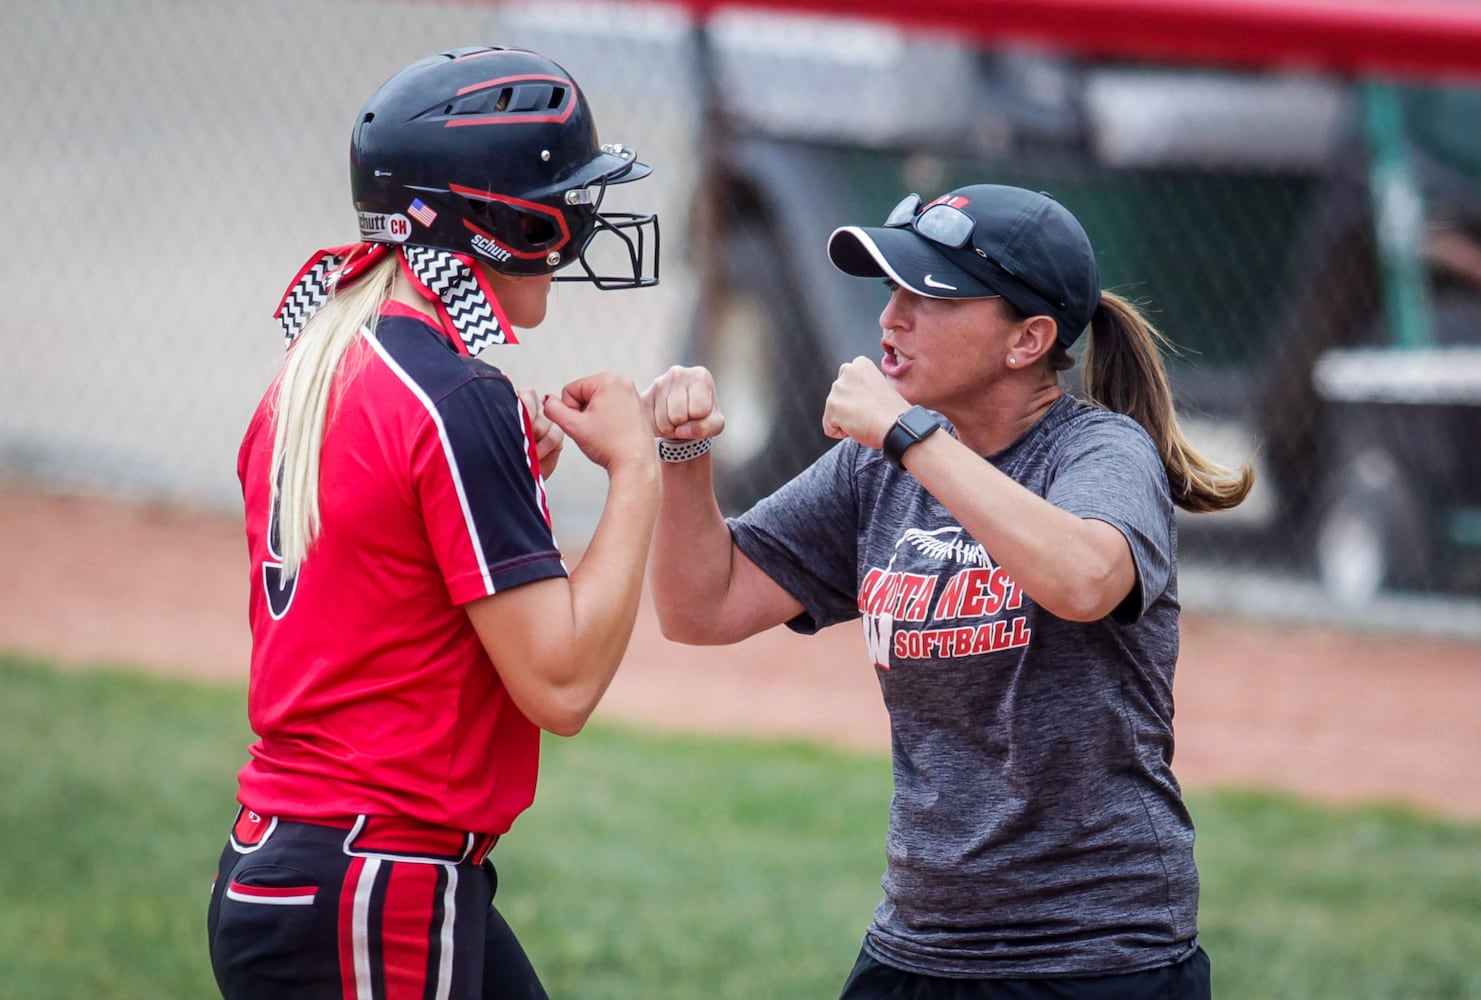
(539, 480)
(447, 451)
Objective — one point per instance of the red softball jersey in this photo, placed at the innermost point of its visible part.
(370, 691)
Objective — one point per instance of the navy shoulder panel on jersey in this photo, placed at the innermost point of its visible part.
(429, 357)
(482, 425)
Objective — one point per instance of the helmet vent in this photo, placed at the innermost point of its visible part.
(528, 97)
(486, 102)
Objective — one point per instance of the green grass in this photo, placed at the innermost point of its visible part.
(657, 866)
(1300, 902)
(117, 792)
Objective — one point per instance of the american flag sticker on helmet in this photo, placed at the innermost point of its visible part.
(421, 211)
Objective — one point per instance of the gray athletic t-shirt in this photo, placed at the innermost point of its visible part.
(1036, 828)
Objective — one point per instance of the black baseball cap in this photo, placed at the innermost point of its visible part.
(979, 241)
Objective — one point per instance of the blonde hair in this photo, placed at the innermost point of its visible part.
(1124, 372)
(301, 406)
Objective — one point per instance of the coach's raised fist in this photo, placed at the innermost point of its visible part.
(681, 404)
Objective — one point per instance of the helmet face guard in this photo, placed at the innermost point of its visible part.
(631, 233)
(613, 233)
(493, 153)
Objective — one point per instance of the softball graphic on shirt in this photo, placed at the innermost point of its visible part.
(939, 597)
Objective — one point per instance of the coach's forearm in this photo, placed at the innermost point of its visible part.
(1076, 568)
(693, 557)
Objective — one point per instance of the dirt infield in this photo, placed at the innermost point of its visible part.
(1340, 717)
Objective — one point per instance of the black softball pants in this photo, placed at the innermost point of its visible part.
(307, 913)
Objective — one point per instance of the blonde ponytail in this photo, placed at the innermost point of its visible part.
(1124, 372)
(301, 407)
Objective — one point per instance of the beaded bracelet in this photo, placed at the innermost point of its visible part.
(675, 450)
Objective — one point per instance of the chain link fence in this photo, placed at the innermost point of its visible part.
(1312, 244)
(172, 163)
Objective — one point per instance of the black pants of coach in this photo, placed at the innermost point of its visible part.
(301, 915)
(1187, 980)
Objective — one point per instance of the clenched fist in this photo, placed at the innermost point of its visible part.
(862, 404)
(549, 439)
(681, 404)
(604, 415)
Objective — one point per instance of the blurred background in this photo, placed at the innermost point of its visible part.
(1292, 192)
(1294, 198)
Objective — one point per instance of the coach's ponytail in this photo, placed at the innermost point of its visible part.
(1124, 372)
(301, 406)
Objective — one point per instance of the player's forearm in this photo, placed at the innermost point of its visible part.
(605, 590)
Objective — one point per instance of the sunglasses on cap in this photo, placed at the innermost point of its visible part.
(950, 227)
(940, 223)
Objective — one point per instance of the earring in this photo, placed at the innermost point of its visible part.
(1012, 361)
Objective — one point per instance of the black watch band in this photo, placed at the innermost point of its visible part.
(915, 424)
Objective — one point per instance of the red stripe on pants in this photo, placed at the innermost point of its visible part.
(406, 928)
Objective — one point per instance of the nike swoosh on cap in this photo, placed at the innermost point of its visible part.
(932, 282)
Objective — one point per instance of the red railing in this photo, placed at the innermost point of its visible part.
(1429, 39)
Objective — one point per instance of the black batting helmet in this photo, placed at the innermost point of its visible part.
(493, 152)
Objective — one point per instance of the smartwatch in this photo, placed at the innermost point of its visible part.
(912, 426)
